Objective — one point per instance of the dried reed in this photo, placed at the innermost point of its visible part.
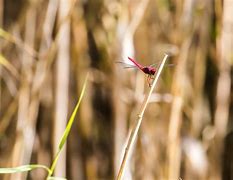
(136, 126)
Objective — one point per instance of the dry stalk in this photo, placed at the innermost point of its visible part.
(224, 80)
(135, 128)
(62, 85)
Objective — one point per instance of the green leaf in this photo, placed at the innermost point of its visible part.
(71, 120)
(68, 127)
(23, 168)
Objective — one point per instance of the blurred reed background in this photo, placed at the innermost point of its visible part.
(48, 48)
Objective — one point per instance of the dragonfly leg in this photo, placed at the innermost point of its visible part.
(150, 79)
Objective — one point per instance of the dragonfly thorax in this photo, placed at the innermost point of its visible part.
(149, 70)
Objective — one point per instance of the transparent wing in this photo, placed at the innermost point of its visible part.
(125, 65)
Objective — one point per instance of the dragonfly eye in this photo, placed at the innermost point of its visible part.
(146, 70)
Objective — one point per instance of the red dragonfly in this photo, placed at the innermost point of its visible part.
(149, 70)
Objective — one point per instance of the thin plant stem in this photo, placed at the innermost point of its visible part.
(135, 128)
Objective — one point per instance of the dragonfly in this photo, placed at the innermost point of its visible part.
(148, 70)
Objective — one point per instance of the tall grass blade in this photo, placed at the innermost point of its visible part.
(68, 127)
(4, 62)
(8, 37)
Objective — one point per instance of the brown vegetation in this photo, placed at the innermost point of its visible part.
(46, 50)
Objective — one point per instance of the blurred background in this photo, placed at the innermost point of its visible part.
(46, 50)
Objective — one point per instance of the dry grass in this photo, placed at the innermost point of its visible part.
(46, 49)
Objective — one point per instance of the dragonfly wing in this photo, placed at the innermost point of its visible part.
(125, 65)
